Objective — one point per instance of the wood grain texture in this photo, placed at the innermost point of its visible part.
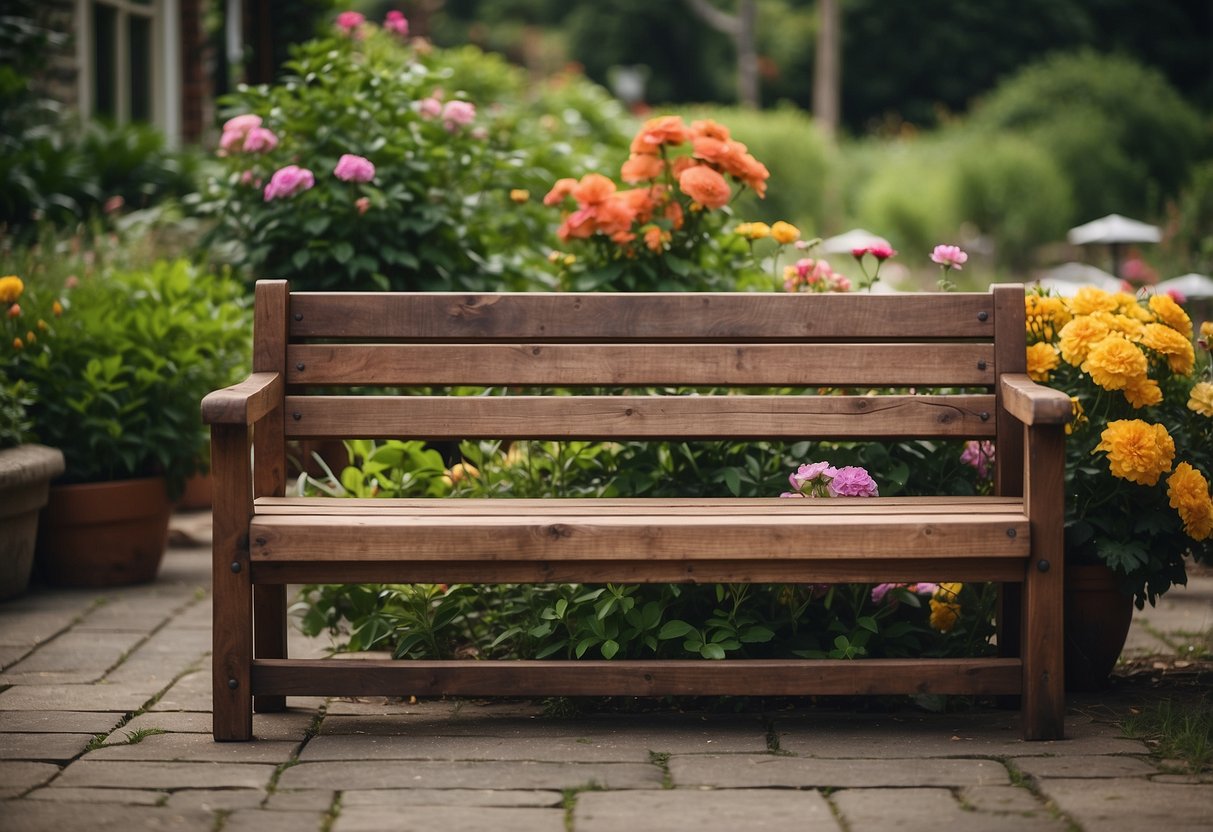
(755, 677)
(441, 317)
(244, 403)
(639, 417)
(1010, 348)
(573, 365)
(272, 305)
(1032, 403)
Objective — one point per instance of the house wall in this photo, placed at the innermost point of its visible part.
(58, 80)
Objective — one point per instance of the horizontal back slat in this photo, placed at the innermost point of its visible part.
(926, 364)
(442, 317)
(640, 417)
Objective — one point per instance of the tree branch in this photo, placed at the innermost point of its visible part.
(730, 24)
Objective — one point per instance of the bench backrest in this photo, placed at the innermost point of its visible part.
(634, 343)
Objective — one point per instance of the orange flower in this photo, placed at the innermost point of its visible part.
(673, 213)
(655, 238)
(722, 154)
(615, 216)
(594, 188)
(577, 225)
(704, 185)
(640, 201)
(642, 168)
(660, 131)
(560, 190)
(710, 129)
(754, 174)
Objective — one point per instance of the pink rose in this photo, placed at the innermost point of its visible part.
(260, 140)
(429, 108)
(350, 22)
(242, 124)
(852, 481)
(351, 168)
(881, 251)
(950, 257)
(807, 473)
(881, 590)
(396, 23)
(456, 114)
(979, 455)
(289, 181)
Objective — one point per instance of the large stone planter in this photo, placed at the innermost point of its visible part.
(25, 475)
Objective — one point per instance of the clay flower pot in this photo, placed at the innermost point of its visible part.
(1098, 616)
(25, 475)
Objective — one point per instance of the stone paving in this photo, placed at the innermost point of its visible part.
(104, 723)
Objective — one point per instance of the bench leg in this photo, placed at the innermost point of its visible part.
(231, 585)
(269, 636)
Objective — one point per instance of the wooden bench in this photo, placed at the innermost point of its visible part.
(308, 343)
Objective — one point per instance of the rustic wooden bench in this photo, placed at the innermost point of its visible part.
(968, 345)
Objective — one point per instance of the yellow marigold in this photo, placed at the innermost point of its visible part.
(1131, 328)
(1115, 363)
(784, 233)
(1137, 451)
(1091, 299)
(944, 615)
(1172, 314)
(1181, 357)
(1206, 332)
(1045, 315)
(1043, 359)
(1143, 393)
(1188, 492)
(1127, 305)
(519, 195)
(754, 230)
(1201, 399)
(18, 344)
(1078, 336)
(1078, 416)
(11, 288)
(948, 591)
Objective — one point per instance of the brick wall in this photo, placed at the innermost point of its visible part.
(58, 79)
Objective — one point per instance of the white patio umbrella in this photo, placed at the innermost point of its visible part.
(1083, 274)
(1191, 286)
(853, 239)
(1114, 231)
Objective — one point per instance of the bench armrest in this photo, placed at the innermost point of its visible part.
(1033, 403)
(243, 403)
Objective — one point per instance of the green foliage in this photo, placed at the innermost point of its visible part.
(446, 208)
(119, 384)
(15, 425)
(1176, 730)
(909, 197)
(1122, 134)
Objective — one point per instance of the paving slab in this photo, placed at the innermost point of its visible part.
(40, 816)
(309, 800)
(10, 655)
(1087, 767)
(100, 697)
(118, 774)
(262, 820)
(29, 628)
(17, 777)
(72, 658)
(197, 748)
(162, 657)
(403, 798)
(1128, 805)
(43, 746)
(929, 810)
(216, 800)
(1002, 799)
(59, 722)
(136, 611)
(450, 819)
(914, 736)
(776, 771)
(192, 692)
(391, 774)
(129, 797)
(725, 810)
(289, 725)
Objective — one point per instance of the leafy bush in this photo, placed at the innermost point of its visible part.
(456, 149)
(909, 197)
(1119, 131)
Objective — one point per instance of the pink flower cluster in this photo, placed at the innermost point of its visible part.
(820, 479)
(289, 181)
(351, 168)
(881, 251)
(245, 134)
(809, 275)
(881, 590)
(950, 257)
(350, 23)
(396, 23)
(980, 455)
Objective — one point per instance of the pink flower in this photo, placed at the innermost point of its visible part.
(241, 124)
(456, 114)
(289, 181)
(881, 590)
(950, 257)
(881, 251)
(351, 168)
(396, 23)
(363, 204)
(429, 108)
(260, 140)
(980, 455)
(250, 178)
(807, 473)
(852, 481)
(350, 22)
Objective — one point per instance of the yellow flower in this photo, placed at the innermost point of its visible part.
(520, 195)
(1177, 348)
(948, 591)
(1091, 299)
(1042, 360)
(460, 471)
(1206, 332)
(758, 231)
(944, 615)
(18, 344)
(1078, 416)
(1172, 314)
(1115, 363)
(1127, 305)
(1137, 451)
(784, 233)
(11, 288)
(1078, 336)
(1131, 328)
(56, 309)
(1143, 393)
(1188, 493)
(1201, 400)
(30, 337)
(1046, 315)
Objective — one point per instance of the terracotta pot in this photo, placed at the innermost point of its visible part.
(1098, 616)
(104, 533)
(197, 493)
(25, 475)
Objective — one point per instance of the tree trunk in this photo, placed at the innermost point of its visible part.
(827, 75)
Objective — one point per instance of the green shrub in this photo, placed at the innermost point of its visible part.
(1122, 134)
(909, 197)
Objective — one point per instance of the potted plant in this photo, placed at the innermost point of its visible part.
(1139, 456)
(119, 389)
(26, 469)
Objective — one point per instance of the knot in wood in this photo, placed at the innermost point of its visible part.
(557, 531)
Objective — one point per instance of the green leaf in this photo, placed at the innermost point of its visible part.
(712, 651)
(609, 649)
(868, 623)
(757, 635)
(585, 644)
(674, 629)
(342, 252)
